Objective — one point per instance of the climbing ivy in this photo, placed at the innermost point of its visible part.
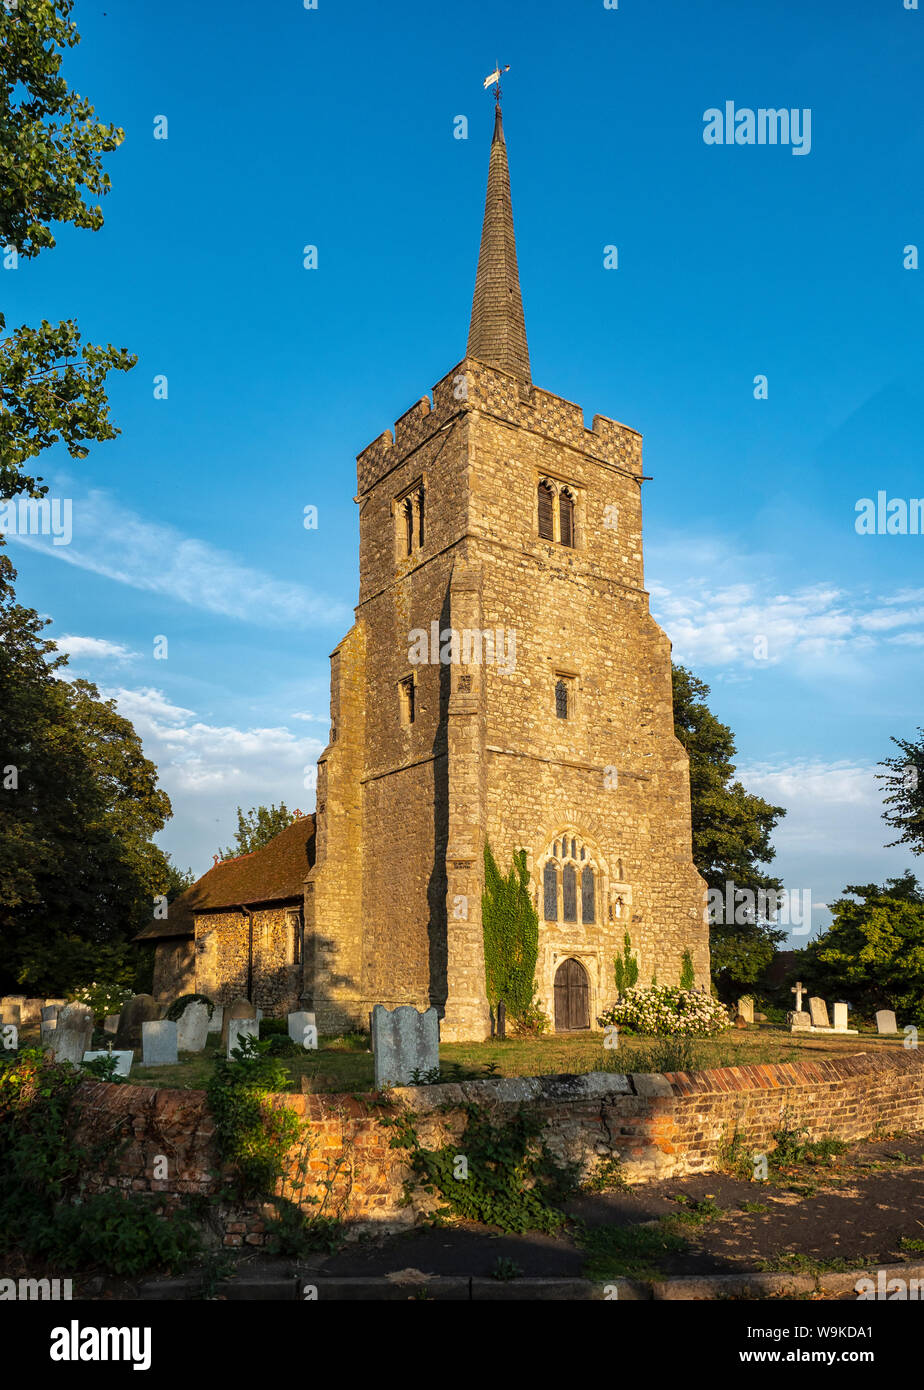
(511, 935)
(687, 974)
(251, 1134)
(625, 967)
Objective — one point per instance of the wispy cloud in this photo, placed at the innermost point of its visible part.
(94, 649)
(111, 540)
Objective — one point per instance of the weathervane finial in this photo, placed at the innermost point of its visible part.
(495, 77)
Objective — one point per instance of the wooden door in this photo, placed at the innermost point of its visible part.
(572, 997)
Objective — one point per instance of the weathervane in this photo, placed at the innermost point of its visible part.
(495, 76)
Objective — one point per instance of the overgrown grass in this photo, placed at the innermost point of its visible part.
(629, 1252)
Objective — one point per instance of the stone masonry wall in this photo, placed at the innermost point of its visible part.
(659, 1126)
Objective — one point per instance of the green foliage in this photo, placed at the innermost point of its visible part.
(731, 832)
(625, 967)
(104, 1069)
(175, 1009)
(79, 870)
(255, 829)
(44, 1211)
(905, 785)
(512, 1181)
(251, 1134)
(608, 1176)
(506, 1269)
(511, 937)
(687, 973)
(104, 999)
(53, 387)
(793, 1148)
(667, 1009)
(630, 1252)
(873, 950)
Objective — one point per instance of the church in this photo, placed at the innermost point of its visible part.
(503, 683)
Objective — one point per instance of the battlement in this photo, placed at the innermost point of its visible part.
(473, 386)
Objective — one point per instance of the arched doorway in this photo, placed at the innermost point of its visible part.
(572, 997)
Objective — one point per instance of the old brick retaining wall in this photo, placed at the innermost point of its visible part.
(658, 1126)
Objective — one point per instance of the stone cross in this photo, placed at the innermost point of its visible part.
(797, 991)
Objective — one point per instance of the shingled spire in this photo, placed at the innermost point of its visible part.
(497, 334)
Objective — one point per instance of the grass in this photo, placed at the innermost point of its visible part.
(344, 1064)
(630, 1252)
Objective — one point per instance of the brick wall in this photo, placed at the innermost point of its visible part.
(660, 1126)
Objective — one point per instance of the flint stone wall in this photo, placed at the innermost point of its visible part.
(660, 1126)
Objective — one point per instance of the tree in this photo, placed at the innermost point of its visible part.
(79, 805)
(178, 880)
(905, 783)
(731, 833)
(53, 385)
(873, 950)
(255, 829)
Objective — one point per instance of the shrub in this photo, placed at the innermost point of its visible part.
(667, 1009)
(102, 999)
(625, 968)
(251, 1134)
(511, 936)
(176, 1008)
(687, 974)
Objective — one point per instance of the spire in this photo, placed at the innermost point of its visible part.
(497, 334)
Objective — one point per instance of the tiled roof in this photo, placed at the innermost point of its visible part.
(274, 873)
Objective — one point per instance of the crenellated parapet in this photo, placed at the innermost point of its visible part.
(474, 386)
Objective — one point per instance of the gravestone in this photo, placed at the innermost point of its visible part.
(10, 1002)
(241, 1028)
(48, 1029)
(799, 1021)
(111, 1023)
(9, 1037)
(404, 1041)
(746, 1008)
(123, 1059)
(50, 1012)
(886, 1021)
(819, 1013)
(158, 1043)
(57, 1002)
(217, 1019)
(298, 1024)
(841, 1020)
(140, 1009)
(797, 989)
(193, 1027)
(240, 1008)
(72, 1033)
(31, 1011)
(12, 1014)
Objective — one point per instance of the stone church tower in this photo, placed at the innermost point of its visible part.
(504, 682)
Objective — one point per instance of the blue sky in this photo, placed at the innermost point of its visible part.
(334, 127)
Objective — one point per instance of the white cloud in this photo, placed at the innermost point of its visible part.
(94, 648)
(312, 718)
(207, 770)
(111, 540)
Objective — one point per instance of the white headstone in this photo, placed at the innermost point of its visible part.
(841, 1020)
(819, 1013)
(215, 1021)
(158, 1043)
(73, 1033)
(886, 1021)
(241, 1028)
(404, 1041)
(193, 1027)
(123, 1060)
(299, 1026)
(746, 1008)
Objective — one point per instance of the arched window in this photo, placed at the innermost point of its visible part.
(550, 893)
(546, 524)
(420, 515)
(588, 903)
(566, 517)
(561, 699)
(569, 893)
(408, 525)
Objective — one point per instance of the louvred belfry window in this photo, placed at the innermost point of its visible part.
(566, 518)
(546, 523)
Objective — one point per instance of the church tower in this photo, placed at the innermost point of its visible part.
(503, 683)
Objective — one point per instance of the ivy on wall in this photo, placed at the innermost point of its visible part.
(511, 935)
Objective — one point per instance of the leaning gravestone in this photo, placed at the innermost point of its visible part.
(158, 1042)
(240, 1008)
(72, 1033)
(819, 1013)
(746, 1008)
(241, 1028)
(192, 1028)
(111, 1023)
(50, 1012)
(404, 1041)
(299, 1023)
(140, 1009)
(886, 1021)
(123, 1060)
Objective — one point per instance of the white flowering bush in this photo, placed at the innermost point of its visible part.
(102, 999)
(668, 1009)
